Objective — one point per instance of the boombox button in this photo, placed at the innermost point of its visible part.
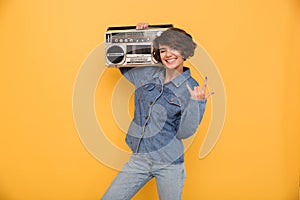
(116, 40)
(131, 40)
(125, 40)
(121, 40)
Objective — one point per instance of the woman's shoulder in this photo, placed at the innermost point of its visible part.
(192, 82)
(188, 77)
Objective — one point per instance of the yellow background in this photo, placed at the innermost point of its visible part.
(255, 45)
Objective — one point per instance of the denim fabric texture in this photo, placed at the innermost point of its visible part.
(138, 171)
(164, 113)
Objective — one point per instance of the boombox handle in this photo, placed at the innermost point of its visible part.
(114, 28)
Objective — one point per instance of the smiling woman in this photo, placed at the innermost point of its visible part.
(167, 110)
(43, 45)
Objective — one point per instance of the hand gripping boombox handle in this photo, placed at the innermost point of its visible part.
(114, 28)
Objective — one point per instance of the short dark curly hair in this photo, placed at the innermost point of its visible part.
(175, 38)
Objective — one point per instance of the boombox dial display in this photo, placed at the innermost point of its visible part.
(131, 47)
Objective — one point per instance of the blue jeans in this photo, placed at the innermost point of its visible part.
(138, 171)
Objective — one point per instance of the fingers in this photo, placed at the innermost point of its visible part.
(204, 84)
(189, 89)
(204, 89)
(142, 25)
(209, 94)
(199, 93)
(195, 93)
(198, 90)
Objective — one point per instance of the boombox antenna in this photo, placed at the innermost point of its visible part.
(114, 28)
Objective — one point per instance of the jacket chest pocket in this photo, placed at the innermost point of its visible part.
(148, 87)
(172, 105)
(146, 91)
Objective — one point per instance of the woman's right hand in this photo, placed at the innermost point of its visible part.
(142, 25)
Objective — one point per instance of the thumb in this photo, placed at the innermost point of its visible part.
(189, 88)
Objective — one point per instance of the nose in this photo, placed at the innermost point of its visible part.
(168, 53)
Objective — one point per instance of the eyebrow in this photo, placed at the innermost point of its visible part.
(162, 49)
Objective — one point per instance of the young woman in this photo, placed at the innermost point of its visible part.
(169, 106)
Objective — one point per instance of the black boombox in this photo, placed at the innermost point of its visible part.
(126, 46)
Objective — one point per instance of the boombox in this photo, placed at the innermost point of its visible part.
(126, 46)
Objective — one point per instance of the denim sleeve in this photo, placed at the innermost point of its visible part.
(191, 118)
(137, 74)
(128, 72)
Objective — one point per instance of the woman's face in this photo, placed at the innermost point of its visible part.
(171, 58)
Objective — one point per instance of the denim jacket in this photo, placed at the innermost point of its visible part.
(164, 113)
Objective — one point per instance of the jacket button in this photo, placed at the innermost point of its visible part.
(151, 102)
(146, 117)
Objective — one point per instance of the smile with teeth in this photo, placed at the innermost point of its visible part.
(171, 60)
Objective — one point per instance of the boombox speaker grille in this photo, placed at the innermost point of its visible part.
(115, 54)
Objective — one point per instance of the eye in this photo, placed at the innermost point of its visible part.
(162, 50)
